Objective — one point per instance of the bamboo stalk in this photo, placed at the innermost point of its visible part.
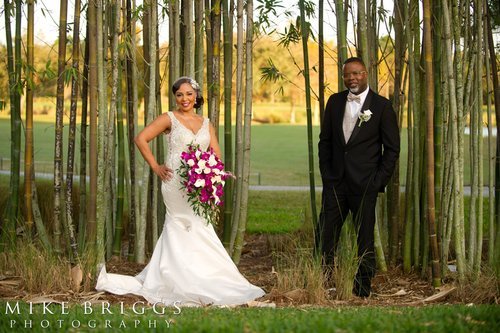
(239, 125)
(478, 17)
(83, 147)
(305, 36)
(28, 151)
(58, 148)
(72, 133)
(238, 244)
(198, 46)
(228, 9)
(458, 191)
(429, 85)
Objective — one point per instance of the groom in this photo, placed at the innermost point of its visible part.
(358, 149)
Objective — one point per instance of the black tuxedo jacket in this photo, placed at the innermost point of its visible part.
(366, 162)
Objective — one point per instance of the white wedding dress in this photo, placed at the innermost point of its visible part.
(189, 265)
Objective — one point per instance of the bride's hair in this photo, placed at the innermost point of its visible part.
(186, 79)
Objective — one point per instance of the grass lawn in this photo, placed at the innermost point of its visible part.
(442, 318)
(279, 153)
(272, 212)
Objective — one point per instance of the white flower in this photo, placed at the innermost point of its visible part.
(216, 197)
(190, 162)
(197, 154)
(216, 179)
(364, 116)
(207, 170)
(201, 164)
(216, 171)
(212, 161)
(199, 183)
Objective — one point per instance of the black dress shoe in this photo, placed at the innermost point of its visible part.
(362, 286)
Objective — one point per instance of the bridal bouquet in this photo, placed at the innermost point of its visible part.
(203, 177)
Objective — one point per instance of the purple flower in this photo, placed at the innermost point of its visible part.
(220, 191)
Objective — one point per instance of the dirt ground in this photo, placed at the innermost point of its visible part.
(388, 289)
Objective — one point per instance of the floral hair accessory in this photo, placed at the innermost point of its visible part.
(194, 84)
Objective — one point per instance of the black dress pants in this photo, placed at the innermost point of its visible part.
(335, 207)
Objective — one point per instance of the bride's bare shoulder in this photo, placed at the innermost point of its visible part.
(166, 121)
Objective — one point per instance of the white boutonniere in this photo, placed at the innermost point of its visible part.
(364, 116)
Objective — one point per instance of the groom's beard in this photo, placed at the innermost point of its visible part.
(355, 90)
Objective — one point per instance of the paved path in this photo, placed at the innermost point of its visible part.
(467, 189)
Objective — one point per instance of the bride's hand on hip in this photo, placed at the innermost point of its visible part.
(164, 172)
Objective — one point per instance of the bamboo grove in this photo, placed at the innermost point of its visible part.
(109, 74)
(442, 80)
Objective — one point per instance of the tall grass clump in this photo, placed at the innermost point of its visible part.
(299, 274)
(483, 288)
(42, 271)
(346, 260)
(39, 270)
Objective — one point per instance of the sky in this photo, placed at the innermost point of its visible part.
(47, 16)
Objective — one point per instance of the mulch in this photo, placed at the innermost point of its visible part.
(392, 288)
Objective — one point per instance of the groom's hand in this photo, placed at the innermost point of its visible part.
(162, 171)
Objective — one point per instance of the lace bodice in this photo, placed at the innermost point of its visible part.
(180, 136)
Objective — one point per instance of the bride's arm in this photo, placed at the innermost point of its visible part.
(155, 128)
(214, 144)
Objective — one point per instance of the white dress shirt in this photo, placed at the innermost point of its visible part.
(354, 107)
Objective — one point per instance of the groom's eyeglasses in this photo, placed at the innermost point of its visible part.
(355, 73)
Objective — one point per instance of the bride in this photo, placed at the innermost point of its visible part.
(189, 265)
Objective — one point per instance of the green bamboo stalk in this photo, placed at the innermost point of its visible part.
(447, 205)
(321, 61)
(93, 100)
(458, 191)
(228, 9)
(115, 114)
(238, 244)
(198, 46)
(393, 189)
(362, 47)
(8, 219)
(101, 138)
(120, 195)
(436, 23)
(379, 249)
(496, 97)
(28, 151)
(58, 149)
(72, 133)
(238, 171)
(478, 18)
(189, 38)
(171, 50)
(141, 230)
(429, 104)
(491, 148)
(341, 17)
(373, 44)
(160, 150)
(304, 27)
(131, 125)
(214, 88)
(210, 52)
(413, 197)
(474, 145)
(458, 68)
(83, 147)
